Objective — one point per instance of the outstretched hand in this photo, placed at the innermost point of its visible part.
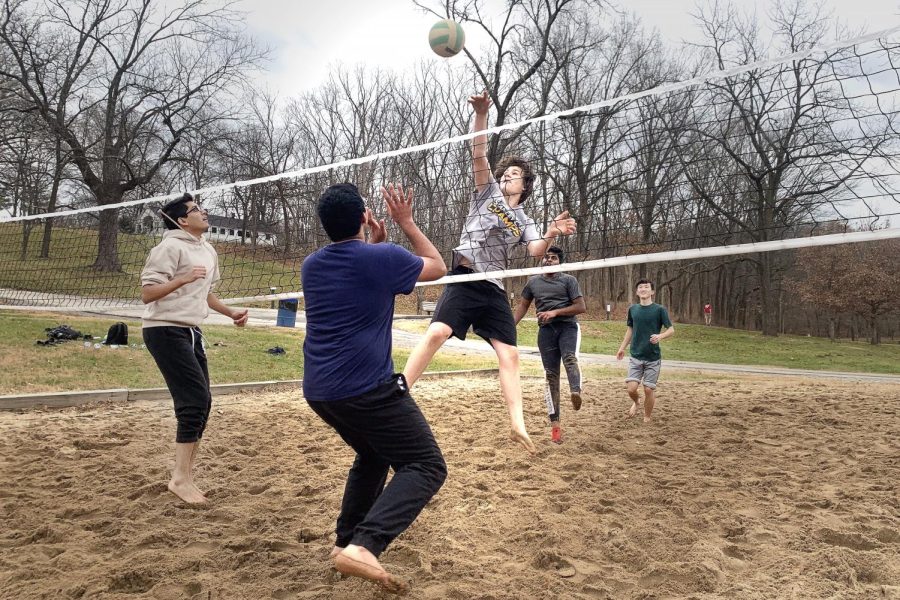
(481, 103)
(564, 224)
(398, 203)
(377, 229)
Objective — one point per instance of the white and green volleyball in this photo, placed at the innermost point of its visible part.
(447, 38)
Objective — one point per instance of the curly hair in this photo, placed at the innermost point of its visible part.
(527, 173)
(340, 210)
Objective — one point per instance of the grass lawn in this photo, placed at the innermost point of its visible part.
(235, 355)
(731, 346)
(246, 272)
(238, 355)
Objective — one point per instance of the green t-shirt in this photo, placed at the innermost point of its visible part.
(644, 322)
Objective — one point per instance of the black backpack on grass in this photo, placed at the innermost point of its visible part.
(117, 335)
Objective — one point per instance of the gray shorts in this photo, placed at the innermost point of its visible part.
(643, 371)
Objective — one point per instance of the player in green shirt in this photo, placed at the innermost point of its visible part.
(645, 320)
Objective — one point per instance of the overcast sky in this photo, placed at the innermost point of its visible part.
(308, 37)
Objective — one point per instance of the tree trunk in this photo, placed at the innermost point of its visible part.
(108, 237)
(26, 235)
(286, 223)
(875, 338)
(768, 303)
(51, 206)
(629, 283)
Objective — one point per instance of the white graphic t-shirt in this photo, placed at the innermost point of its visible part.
(491, 231)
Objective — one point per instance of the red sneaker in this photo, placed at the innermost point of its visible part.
(556, 435)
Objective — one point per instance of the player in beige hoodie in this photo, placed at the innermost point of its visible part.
(176, 286)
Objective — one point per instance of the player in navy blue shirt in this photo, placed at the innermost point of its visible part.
(349, 381)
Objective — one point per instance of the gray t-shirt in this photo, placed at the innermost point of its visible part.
(550, 293)
(491, 231)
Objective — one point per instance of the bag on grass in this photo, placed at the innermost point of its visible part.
(117, 335)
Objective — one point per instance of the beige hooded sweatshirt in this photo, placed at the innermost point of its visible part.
(176, 255)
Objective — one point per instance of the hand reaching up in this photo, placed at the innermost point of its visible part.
(377, 229)
(398, 202)
(564, 224)
(481, 103)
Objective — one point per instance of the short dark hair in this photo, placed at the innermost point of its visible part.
(642, 281)
(527, 173)
(174, 210)
(558, 252)
(340, 210)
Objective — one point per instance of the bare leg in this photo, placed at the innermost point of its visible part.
(182, 482)
(511, 390)
(356, 561)
(632, 387)
(434, 338)
(194, 454)
(649, 402)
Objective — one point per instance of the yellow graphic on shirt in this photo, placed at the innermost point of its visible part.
(507, 218)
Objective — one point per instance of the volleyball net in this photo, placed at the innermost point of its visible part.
(785, 153)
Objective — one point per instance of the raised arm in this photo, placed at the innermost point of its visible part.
(399, 207)
(481, 168)
(563, 224)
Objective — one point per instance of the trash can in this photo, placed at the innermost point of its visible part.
(287, 313)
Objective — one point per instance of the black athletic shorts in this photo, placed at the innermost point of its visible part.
(477, 304)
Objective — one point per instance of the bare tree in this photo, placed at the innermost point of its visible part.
(528, 39)
(781, 135)
(854, 279)
(121, 83)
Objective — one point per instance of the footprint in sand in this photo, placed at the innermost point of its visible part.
(199, 548)
(255, 490)
(854, 541)
(551, 561)
(404, 557)
(133, 582)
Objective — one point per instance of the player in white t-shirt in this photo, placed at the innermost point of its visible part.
(495, 224)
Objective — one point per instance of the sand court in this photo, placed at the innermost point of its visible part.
(741, 488)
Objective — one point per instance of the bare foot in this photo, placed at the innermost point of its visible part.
(634, 409)
(335, 551)
(521, 438)
(356, 561)
(187, 492)
(648, 420)
(576, 400)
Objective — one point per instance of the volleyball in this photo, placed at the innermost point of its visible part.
(447, 38)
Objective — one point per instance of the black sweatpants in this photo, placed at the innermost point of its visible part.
(179, 354)
(387, 430)
(559, 341)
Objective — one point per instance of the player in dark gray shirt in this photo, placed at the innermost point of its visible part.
(558, 299)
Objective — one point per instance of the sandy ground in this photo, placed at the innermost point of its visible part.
(742, 488)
